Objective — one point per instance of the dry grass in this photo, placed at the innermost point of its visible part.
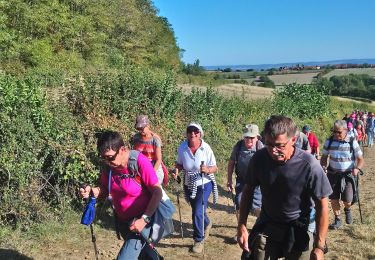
(299, 78)
(239, 90)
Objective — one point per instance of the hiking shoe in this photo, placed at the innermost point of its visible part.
(234, 240)
(348, 216)
(335, 225)
(198, 247)
(207, 230)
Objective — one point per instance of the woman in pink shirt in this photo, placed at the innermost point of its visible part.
(135, 195)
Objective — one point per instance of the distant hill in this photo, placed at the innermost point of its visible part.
(278, 65)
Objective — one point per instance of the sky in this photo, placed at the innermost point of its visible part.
(249, 32)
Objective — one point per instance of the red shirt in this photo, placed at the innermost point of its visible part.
(313, 141)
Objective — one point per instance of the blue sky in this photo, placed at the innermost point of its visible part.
(246, 32)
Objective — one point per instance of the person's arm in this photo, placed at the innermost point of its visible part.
(245, 202)
(156, 195)
(322, 221)
(360, 161)
(230, 169)
(158, 158)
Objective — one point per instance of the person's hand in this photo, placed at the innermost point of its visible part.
(355, 172)
(242, 238)
(230, 185)
(138, 225)
(174, 173)
(317, 254)
(85, 191)
(205, 169)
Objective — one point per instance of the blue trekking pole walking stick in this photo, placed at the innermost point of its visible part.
(89, 216)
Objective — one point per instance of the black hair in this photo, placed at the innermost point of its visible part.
(108, 140)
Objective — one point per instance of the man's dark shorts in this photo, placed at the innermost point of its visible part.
(347, 194)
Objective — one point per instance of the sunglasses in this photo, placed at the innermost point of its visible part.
(110, 158)
(337, 132)
(140, 128)
(192, 129)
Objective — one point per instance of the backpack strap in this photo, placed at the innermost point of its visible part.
(350, 144)
(132, 169)
(237, 148)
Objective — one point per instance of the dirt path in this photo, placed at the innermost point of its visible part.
(354, 241)
(351, 242)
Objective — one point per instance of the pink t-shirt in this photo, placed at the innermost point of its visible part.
(129, 198)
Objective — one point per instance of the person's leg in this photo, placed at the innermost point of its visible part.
(335, 200)
(264, 248)
(301, 255)
(347, 199)
(131, 248)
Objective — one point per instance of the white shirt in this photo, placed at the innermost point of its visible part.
(192, 162)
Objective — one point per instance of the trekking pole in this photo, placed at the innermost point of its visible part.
(178, 180)
(93, 240)
(234, 204)
(359, 202)
(89, 216)
(202, 175)
(150, 243)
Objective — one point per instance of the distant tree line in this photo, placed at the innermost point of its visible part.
(353, 85)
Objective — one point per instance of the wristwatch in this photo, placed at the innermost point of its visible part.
(146, 218)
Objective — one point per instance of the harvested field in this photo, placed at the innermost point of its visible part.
(239, 90)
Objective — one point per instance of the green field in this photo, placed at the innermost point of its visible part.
(343, 72)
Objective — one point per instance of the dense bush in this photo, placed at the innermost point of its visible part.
(48, 134)
(302, 101)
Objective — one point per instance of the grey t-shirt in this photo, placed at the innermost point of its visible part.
(289, 188)
(241, 155)
(302, 142)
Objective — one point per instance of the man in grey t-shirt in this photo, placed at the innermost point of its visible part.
(293, 186)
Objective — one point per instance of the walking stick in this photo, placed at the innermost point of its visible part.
(202, 175)
(93, 240)
(359, 202)
(151, 245)
(89, 216)
(234, 204)
(179, 207)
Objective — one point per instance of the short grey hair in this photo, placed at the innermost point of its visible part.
(340, 124)
(279, 125)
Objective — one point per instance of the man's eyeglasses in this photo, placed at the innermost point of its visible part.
(338, 132)
(110, 158)
(280, 146)
(192, 129)
(140, 128)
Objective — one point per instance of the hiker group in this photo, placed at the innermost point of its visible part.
(279, 180)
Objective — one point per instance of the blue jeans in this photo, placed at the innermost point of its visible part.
(134, 246)
(197, 210)
(257, 199)
(370, 137)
